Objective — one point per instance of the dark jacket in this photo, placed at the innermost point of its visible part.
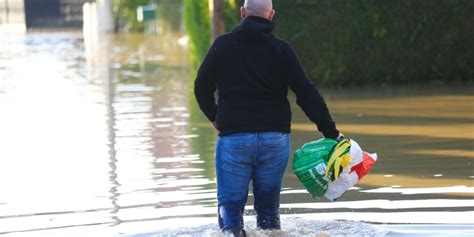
(251, 70)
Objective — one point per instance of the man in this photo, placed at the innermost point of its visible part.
(251, 69)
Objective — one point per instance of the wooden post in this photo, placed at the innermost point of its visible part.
(218, 26)
(7, 12)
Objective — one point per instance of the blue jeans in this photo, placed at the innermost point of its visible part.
(258, 157)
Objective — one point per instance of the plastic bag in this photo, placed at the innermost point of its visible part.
(361, 163)
(310, 164)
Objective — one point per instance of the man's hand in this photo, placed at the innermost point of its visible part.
(339, 158)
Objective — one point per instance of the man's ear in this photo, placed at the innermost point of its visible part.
(243, 13)
(272, 14)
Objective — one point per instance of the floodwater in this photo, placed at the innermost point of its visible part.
(105, 139)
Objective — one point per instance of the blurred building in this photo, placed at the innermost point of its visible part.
(12, 15)
(41, 13)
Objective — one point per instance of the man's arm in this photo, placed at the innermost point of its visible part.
(205, 85)
(308, 97)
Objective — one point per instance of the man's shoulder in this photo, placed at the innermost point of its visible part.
(280, 41)
(229, 36)
(282, 45)
(222, 42)
(226, 37)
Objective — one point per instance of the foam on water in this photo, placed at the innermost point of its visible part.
(428, 230)
(292, 225)
(330, 224)
(301, 225)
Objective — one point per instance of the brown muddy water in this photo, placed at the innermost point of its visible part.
(105, 139)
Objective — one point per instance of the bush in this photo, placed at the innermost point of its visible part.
(344, 42)
(198, 25)
(380, 41)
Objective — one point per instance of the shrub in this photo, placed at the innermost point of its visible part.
(380, 41)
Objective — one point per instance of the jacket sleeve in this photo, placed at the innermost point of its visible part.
(307, 96)
(205, 85)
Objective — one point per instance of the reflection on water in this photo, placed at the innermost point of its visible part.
(110, 142)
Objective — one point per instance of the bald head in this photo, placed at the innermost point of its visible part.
(261, 8)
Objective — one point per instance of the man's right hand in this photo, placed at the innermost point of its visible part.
(339, 158)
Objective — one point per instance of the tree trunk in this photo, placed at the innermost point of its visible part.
(218, 27)
(118, 15)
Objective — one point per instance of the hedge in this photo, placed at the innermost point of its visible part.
(342, 42)
(357, 42)
(198, 25)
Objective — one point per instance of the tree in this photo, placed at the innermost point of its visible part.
(218, 26)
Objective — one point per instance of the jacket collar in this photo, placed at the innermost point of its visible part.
(254, 29)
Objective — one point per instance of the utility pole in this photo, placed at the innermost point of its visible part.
(218, 26)
(7, 12)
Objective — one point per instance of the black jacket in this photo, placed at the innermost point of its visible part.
(251, 70)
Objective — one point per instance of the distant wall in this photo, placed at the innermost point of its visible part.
(41, 13)
(12, 15)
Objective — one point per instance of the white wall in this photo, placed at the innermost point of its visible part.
(12, 16)
(97, 21)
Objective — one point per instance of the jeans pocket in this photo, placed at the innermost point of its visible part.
(274, 152)
(274, 158)
(276, 142)
(231, 158)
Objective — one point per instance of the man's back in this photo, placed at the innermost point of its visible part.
(251, 88)
(251, 70)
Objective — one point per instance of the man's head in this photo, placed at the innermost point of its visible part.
(261, 8)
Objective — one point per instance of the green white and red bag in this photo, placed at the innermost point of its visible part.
(310, 162)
